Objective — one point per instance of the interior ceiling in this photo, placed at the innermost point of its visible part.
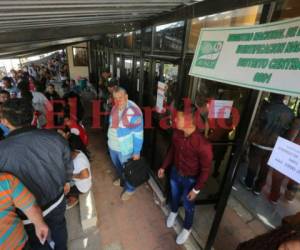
(28, 14)
(32, 24)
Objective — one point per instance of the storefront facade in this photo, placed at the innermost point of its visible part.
(163, 52)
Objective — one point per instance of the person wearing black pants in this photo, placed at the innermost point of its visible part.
(41, 159)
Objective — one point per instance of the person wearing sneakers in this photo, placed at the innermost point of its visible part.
(125, 136)
(190, 157)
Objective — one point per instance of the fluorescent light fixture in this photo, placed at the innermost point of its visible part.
(212, 15)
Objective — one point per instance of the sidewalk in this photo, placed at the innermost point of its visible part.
(137, 224)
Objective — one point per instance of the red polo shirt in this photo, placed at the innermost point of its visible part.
(192, 156)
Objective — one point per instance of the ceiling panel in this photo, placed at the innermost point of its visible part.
(24, 22)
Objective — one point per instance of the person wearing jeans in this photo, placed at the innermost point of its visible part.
(41, 159)
(190, 156)
(125, 136)
(118, 161)
(180, 187)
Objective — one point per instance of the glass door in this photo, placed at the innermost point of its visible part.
(136, 82)
(165, 73)
(126, 75)
(146, 100)
(117, 67)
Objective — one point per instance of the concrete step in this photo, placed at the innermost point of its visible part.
(79, 238)
(88, 213)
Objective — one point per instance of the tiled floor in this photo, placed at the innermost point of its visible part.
(260, 206)
(137, 224)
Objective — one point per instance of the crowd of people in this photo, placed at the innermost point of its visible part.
(44, 167)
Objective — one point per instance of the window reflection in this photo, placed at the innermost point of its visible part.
(128, 40)
(117, 42)
(147, 86)
(290, 9)
(147, 38)
(245, 16)
(169, 36)
(138, 39)
(126, 75)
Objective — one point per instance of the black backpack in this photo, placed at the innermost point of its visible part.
(136, 172)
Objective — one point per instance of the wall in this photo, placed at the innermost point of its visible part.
(76, 71)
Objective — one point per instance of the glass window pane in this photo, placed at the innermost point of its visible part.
(128, 40)
(138, 39)
(169, 37)
(117, 42)
(239, 17)
(147, 85)
(290, 8)
(147, 38)
(126, 75)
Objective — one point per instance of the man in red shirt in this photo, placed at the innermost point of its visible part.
(190, 157)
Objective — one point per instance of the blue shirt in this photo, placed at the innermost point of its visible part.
(4, 129)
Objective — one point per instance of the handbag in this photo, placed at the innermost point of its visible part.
(136, 172)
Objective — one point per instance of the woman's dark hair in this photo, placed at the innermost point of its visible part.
(23, 85)
(76, 143)
(39, 87)
(18, 112)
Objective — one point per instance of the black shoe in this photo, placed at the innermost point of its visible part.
(243, 182)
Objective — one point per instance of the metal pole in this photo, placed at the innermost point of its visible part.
(245, 125)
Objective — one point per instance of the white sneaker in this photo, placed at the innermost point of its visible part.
(183, 236)
(171, 220)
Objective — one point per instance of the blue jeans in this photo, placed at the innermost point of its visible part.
(57, 224)
(180, 188)
(118, 160)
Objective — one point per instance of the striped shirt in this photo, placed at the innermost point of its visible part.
(13, 194)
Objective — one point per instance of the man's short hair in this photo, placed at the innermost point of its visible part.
(6, 78)
(18, 112)
(106, 70)
(187, 107)
(112, 83)
(120, 89)
(4, 92)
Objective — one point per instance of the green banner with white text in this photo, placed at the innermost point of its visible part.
(263, 57)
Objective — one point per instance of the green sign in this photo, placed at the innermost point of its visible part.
(264, 57)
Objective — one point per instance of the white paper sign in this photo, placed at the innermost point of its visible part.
(161, 88)
(220, 109)
(264, 57)
(285, 158)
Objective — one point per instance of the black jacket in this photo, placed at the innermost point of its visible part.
(40, 158)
